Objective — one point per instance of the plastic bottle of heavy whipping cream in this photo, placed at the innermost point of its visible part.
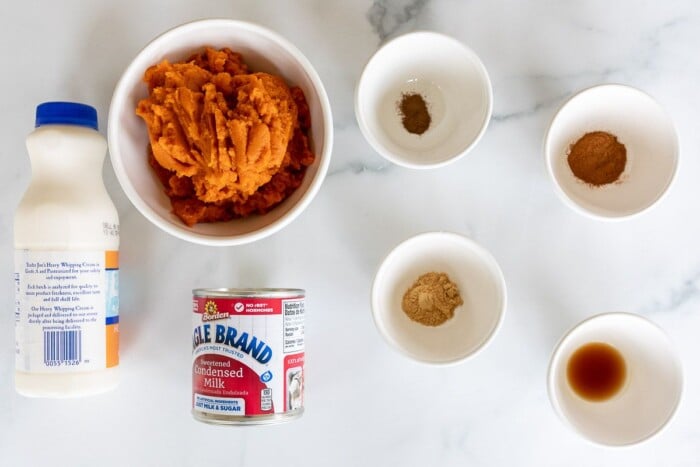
(66, 260)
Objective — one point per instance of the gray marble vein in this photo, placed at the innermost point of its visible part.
(653, 37)
(679, 296)
(387, 16)
(357, 167)
(599, 76)
(524, 113)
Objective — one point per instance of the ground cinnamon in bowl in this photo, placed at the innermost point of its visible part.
(597, 158)
(432, 299)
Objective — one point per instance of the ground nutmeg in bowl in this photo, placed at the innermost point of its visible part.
(224, 142)
(414, 113)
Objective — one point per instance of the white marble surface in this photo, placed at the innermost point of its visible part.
(366, 404)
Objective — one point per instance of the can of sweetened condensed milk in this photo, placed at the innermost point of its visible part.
(247, 355)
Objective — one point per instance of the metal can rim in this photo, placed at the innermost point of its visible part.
(247, 292)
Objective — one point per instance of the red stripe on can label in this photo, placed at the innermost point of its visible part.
(219, 307)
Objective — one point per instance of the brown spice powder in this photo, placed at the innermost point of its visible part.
(414, 113)
(597, 158)
(432, 299)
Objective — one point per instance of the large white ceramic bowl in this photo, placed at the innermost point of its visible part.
(652, 391)
(478, 278)
(451, 79)
(641, 124)
(263, 50)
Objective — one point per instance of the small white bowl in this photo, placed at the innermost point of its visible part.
(263, 50)
(645, 129)
(481, 285)
(652, 391)
(451, 79)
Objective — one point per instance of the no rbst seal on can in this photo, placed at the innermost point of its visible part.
(247, 355)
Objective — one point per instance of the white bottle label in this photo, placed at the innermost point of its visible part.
(67, 305)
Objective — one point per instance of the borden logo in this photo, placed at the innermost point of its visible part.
(211, 312)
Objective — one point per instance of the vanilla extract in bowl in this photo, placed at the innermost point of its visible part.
(596, 371)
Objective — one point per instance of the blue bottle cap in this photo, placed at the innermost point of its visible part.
(66, 113)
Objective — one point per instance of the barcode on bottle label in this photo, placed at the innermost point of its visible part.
(62, 347)
(66, 310)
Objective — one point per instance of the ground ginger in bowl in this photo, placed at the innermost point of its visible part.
(224, 142)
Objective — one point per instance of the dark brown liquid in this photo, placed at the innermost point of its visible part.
(596, 371)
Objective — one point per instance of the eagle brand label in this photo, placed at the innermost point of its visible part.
(247, 355)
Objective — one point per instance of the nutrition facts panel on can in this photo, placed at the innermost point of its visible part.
(293, 312)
